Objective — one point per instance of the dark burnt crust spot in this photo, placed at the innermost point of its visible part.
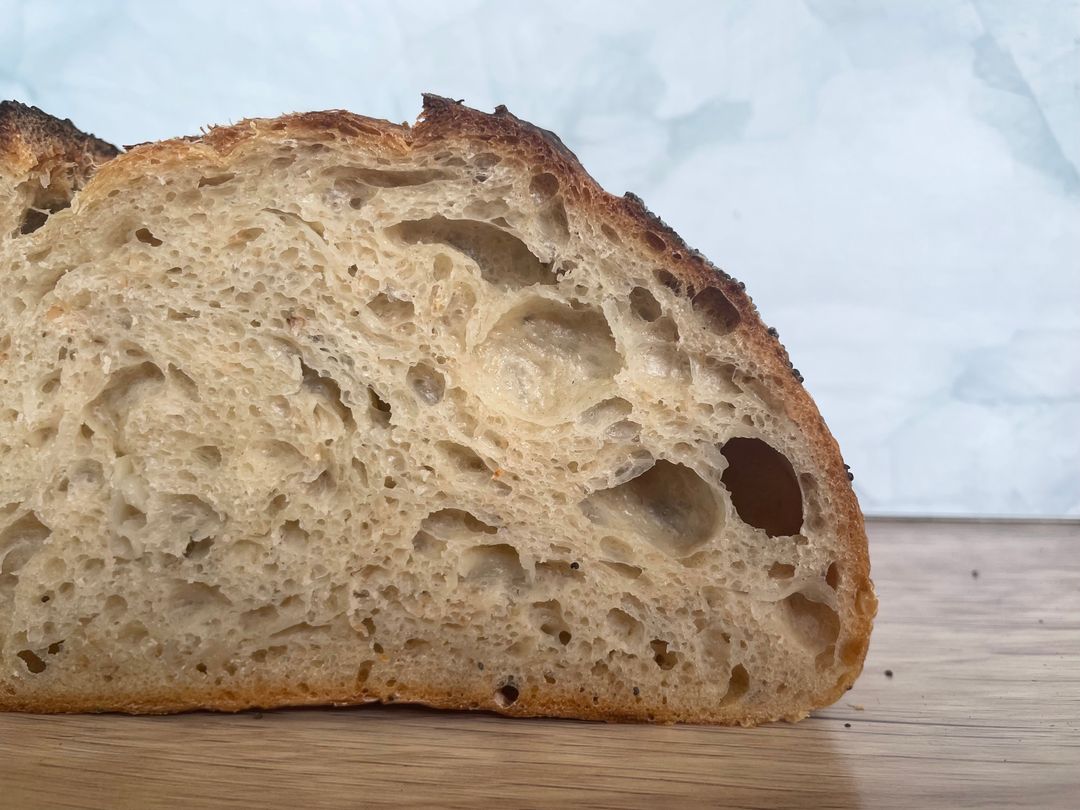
(45, 136)
(439, 117)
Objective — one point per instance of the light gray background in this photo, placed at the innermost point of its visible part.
(896, 182)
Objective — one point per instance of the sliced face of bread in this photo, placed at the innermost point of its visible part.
(322, 409)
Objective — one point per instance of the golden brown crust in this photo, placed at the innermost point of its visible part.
(444, 120)
(550, 703)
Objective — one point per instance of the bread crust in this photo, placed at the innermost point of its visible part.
(27, 131)
(30, 136)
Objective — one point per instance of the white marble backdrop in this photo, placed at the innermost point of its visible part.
(896, 182)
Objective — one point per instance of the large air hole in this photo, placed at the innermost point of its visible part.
(545, 361)
(668, 506)
(426, 383)
(197, 602)
(327, 390)
(464, 459)
(27, 529)
(294, 536)
(32, 220)
(19, 542)
(390, 308)
(607, 413)
(295, 220)
(124, 388)
(451, 524)
(716, 310)
(351, 178)
(625, 627)
(738, 684)
(494, 564)
(780, 570)
(814, 625)
(216, 179)
(379, 408)
(544, 186)
(644, 304)
(763, 487)
(503, 259)
(428, 545)
(190, 517)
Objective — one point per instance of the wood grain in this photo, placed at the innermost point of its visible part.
(982, 710)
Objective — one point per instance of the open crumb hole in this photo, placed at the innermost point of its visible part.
(763, 487)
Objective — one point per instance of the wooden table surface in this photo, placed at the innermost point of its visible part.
(979, 625)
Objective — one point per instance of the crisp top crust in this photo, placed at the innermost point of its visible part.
(29, 136)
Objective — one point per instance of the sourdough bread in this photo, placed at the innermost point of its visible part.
(323, 409)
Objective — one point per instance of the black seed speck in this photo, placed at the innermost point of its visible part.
(773, 332)
(847, 725)
(575, 566)
(974, 574)
(888, 673)
(636, 691)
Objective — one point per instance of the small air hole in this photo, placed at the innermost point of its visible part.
(719, 313)
(147, 238)
(506, 696)
(781, 571)
(198, 549)
(655, 241)
(380, 408)
(34, 664)
(832, 576)
(669, 281)
(663, 658)
(32, 220)
(216, 180)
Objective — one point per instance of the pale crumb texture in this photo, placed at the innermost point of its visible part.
(323, 409)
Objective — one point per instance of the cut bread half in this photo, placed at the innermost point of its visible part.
(323, 409)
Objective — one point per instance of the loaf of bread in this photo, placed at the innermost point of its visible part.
(323, 409)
